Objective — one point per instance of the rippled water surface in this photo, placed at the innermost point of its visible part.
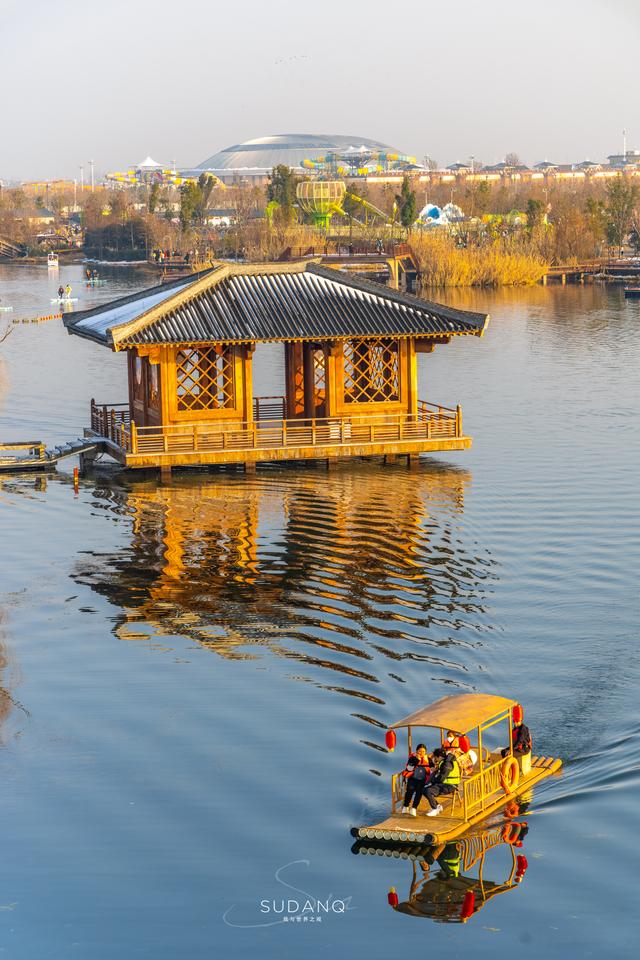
(197, 676)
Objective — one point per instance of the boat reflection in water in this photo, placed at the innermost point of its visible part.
(452, 882)
(342, 571)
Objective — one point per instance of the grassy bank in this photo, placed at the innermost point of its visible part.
(501, 263)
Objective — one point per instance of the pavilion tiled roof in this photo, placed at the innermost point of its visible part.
(270, 302)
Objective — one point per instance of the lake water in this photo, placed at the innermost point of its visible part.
(197, 676)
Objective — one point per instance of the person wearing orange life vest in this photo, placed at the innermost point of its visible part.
(416, 773)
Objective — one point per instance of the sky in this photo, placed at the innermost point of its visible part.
(117, 80)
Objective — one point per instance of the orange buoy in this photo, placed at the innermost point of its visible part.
(468, 905)
(390, 740)
(509, 775)
(392, 897)
(510, 832)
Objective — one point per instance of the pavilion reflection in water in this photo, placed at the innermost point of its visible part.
(310, 564)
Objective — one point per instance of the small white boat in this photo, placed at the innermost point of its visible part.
(64, 299)
(52, 261)
(6, 309)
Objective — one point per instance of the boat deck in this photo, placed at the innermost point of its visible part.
(447, 826)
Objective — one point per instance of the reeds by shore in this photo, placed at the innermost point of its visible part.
(499, 263)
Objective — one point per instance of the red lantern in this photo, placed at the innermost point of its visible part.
(468, 905)
(392, 897)
(521, 867)
(390, 740)
(463, 743)
(518, 714)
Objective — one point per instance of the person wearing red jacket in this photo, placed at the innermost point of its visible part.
(417, 773)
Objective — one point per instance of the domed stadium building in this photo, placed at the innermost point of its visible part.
(254, 160)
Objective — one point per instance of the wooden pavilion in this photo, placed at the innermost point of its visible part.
(351, 349)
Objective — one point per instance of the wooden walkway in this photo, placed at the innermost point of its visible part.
(33, 455)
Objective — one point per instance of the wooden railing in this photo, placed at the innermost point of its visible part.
(269, 408)
(432, 422)
(113, 421)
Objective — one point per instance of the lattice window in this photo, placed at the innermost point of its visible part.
(371, 371)
(319, 379)
(205, 378)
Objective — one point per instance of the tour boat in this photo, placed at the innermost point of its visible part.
(52, 261)
(483, 724)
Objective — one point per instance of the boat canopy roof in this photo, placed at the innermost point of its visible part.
(460, 712)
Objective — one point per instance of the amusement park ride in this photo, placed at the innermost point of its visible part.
(150, 172)
(324, 197)
(359, 162)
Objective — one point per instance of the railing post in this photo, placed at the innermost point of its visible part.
(458, 421)
(134, 437)
(112, 425)
(254, 435)
(284, 433)
(105, 421)
(195, 436)
(313, 432)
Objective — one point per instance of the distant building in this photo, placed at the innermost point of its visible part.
(36, 217)
(631, 158)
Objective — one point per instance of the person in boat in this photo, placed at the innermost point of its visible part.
(67, 291)
(60, 292)
(447, 856)
(466, 759)
(416, 773)
(444, 780)
(94, 274)
(88, 273)
(521, 740)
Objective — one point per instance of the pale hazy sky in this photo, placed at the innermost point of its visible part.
(117, 80)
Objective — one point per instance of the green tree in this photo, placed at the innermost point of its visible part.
(154, 196)
(406, 202)
(622, 197)
(281, 190)
(535, 214)
(190, 203)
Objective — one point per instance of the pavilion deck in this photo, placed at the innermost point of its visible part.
(269, 436)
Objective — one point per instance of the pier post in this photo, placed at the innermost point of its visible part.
(165, 474)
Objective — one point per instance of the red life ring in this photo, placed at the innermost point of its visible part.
(509, 775)
(510, 832)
